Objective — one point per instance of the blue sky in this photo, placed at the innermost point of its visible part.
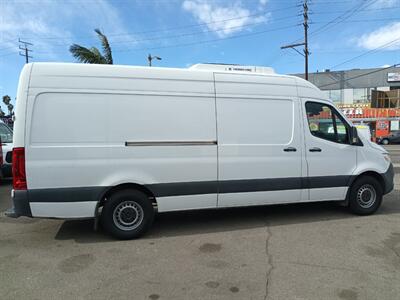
(185, 32)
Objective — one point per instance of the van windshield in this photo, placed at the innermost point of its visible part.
(6, 134)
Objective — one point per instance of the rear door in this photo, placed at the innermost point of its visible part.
(331, 160)
(259, 143)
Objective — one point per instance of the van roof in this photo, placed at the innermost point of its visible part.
(196, 72)
(233, 68)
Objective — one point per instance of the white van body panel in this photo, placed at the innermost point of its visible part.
(86, 148)
(306, 89)
(194, 138)
(21, 106)
(251, 145)
(368, 160)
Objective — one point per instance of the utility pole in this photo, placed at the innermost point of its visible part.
(150, 58)
(305, 24)
(305, 43)
(25, 50)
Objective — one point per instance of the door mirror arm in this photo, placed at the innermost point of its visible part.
(354, 138)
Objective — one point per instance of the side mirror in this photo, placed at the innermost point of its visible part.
(354, 139)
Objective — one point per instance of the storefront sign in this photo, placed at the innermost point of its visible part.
(393, 77)
(352, 111)
(382, 128)
(371, 113)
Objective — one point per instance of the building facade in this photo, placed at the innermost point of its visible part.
(366, 96)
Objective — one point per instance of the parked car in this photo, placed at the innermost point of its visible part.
(393, 138)
(152, 140)
(6, 135)
(1, 159)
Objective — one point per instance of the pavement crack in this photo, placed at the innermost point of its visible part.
(395, 252)
(270, 265)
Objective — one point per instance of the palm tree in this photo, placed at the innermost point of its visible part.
(7, 102)
(93, 55)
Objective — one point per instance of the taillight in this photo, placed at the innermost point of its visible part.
(18, 169)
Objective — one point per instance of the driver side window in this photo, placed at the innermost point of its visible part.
(325, 123)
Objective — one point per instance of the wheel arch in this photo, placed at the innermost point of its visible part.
(109, 191)
(369, 173)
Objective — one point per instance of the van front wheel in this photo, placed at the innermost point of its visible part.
(127, 214)
(365, 196)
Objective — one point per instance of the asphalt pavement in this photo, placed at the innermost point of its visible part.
(302, 251)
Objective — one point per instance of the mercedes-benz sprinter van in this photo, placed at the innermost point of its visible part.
(121, 143)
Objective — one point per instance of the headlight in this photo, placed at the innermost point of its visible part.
(387, 158)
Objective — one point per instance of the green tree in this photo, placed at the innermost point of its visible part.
(93, 55)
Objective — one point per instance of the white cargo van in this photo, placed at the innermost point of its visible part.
(120, 143)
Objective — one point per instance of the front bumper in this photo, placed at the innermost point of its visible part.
(21, 207)
(388, 178)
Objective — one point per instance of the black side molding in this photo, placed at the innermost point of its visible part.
(388, 179)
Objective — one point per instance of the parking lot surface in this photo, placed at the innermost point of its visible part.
(302, 251)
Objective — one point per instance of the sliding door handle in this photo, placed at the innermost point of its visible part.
(290, 149)
(315, 149)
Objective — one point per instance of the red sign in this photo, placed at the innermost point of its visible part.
(382, 128)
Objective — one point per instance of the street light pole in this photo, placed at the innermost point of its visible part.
(150, 58)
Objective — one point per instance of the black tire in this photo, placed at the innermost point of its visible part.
(385, 142)
(127, 214)
(365, 196)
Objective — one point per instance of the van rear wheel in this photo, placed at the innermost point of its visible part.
(365, 196)
(127, 214)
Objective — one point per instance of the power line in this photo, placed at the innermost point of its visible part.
(7, 54)
(168, 37)
(179, 27)
(210, 41)
(361, 10)
(368, 52)
(358, 76)
(202, 42)
(363, 21)
(194, 33)
(7, 48)
(342, 17)
(347, 14)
